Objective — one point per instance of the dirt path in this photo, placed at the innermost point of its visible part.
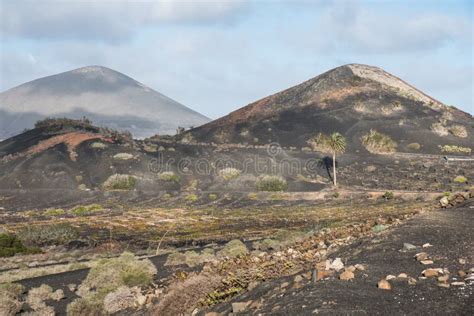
(451, 234)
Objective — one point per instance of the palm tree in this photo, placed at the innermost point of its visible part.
(337, 143)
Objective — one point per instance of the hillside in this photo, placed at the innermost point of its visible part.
(107, 97)
(352, 100)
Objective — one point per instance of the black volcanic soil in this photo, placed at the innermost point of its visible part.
(452, 238)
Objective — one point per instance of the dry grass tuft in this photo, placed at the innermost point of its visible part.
(378, 143)
(458, 131)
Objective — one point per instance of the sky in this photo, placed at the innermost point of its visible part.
(217, 56)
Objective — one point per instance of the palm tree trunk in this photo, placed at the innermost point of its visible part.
(334, 167)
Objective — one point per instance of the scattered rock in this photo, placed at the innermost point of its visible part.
(427, 245)
(239, 307)
(72, 287)
(360, 267)
(284, 284)
(443, 278)
(421, 256)
(350, 268)
(411, 281)
(444, 201)
(408, 246)
(445, 285)
(402, 276)
(462, 261)
(336, 264)
(458, 283)
(430, 273)
(298, 279)
(58, 295)
(384, 285)
(346, 275)
(390, 277)
(426, 262)
(252, 285)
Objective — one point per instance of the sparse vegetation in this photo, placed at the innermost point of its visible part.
(212, 197)
(84, 210)
(43, 235)
(229, 173)
(109, 274)
(98, 145)
(272, 183)
(388, 195)
(439, 129)
(413, 146)
(232, 249)
(10, 298)
(455, 149)
(169, 176)
(191, 197)
(58, 123)
(319, 143)
(10, 245)
(460, 179)
(120, 182)
(378, 143)
(458, 131)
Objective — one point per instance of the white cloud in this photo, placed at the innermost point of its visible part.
(107, 20)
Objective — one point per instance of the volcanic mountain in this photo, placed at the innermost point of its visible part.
(352, 100)
(105, 96)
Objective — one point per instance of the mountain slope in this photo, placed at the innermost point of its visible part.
(105, 96)
(352, 100)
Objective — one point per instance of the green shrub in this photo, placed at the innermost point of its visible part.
(272, 183)
(84, 210)
(120, 182)
(232, 249)
(212, 197)
(42, 235)
(388, 195)
(413, 146)
(54, 212)
(460, 179)
(110, 274)
(378, 143)
(169, 176)
(10, 245)
(455, 149)
(229, 173)
(191, 197)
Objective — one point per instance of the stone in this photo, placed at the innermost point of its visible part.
(390, 277)
(284, 284)
(350, 268)
(384, 285)
(141, 299)
(427, 245)
(336, 264)
(298, 278)
(346, 275)
(444, 201)
(252, 285)
(408, 246)
(445, 285)
(430, 273)
(360, 267)
(323, 274)
(426, 262)
(458, 283)
(402, 276)
(412, 281)
(462, 261)
(443, 278)
(240, 307)
(421, 256)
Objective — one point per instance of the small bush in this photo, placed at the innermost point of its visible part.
(388, 195)
(123, 156)
(54, 212)
(319, 143)
(458, 131)
(10, 245)
(336, 195)
(119, 182)
(272, 183)
(84, 210)
(191, 198)
(232, 249)
(455, 149)
(9, 298)
(110, 274)
(413, 146)
(43, 235)
(460, 179)
(378, 143)
(212, 197)
(229, 173)
(86, 306)
(169, 176)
